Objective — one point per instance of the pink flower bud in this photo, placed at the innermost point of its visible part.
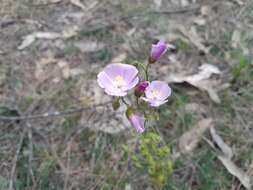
(157, 51)
(136, 119)
(140, 88)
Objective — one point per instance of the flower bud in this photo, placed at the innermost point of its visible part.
(136, 119)
(140, 88)
(157, 50)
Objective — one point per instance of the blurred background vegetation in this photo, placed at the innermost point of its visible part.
(50, 54)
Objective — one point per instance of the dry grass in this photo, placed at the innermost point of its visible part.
(64, 152)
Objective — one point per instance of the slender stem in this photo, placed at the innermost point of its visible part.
(124, 101)
(137, 101)
(146, 71)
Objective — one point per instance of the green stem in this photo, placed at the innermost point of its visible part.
(146, 71)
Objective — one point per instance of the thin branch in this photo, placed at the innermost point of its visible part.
(53, 114)
(15, 159)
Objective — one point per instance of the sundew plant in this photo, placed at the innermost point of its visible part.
(124, 80)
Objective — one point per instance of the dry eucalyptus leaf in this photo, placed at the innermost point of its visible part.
(158, 3)
(189, 140)
(236, 171)
(201, 80)
(45, 2)
(66, 72)
(221, 144)
(89, 46)
(76, 71)
(236, 39)
(29, 39)
(199, 21)
(78, 4)
(62, 64)
(185, 3)
(205, 10)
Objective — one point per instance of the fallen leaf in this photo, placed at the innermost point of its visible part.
(199, 21)
(66, 72)
(205, 10)
(76, 71)
(185, 3)
(221, 144)
(62, 64)
(158, 3)
(45, 2)
(201, 80)
(78, 4)
(225, 156)
(89, 46)
(47, 35)
(29, 39)
(55, 1)
(236, 39)
(236, 171)
(189, 140)
(70, 32)
(47, 60)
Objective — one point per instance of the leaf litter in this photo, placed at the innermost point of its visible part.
(29, 39)
(201, 80)
(225, 155)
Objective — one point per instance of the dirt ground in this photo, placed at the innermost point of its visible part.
(55, 134)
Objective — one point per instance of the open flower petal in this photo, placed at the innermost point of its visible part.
(116, 79)
(157, 93)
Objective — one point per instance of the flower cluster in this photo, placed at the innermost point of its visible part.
(117, 79)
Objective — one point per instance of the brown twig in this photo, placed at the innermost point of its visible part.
(15, 159)
(51, 115)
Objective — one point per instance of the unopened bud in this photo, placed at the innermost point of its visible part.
(140, 88)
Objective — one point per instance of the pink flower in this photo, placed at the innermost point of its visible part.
(157, 51)
(116, 79)
(140, 88)
(157, 93)
(136, 119)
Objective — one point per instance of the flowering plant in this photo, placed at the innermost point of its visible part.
(118, 79)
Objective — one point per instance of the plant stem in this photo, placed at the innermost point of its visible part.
(124, 101)
(146, 71)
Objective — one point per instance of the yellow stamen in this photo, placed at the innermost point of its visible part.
(119, 78)
(155, 93)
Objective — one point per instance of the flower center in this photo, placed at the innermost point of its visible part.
(119, 80)
(155, 93)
